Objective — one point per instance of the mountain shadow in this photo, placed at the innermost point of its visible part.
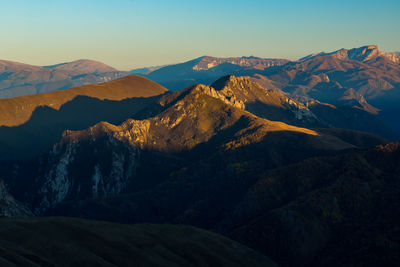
(46, 125)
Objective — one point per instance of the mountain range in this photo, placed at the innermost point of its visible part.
(365, 78)
(17, 79)
(294, 161)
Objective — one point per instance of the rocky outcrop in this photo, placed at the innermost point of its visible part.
(269, 104)
(9, 207)
(80, 169)
(207, 63)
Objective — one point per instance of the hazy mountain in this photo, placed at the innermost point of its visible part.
(363, 54)
(207, 69)
(83, 66)
(32, 124)
(145, 71)
(365, 78)
(74, 242)
(17, 79)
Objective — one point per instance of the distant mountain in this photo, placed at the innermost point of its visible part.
(17, 79)
(32, 124)
(363, 54)
(364, 77)
(83, 66)
(145, 71)
(207, 69)
(340, 76)
(74, 242)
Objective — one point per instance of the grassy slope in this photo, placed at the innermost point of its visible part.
(15, 111)
(74, 242)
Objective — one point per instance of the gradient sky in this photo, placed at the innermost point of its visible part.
(127, 33)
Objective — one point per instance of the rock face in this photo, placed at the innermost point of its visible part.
(270, 104)
(17, 79)
(9, 207)
(207, 63)
(76, 172)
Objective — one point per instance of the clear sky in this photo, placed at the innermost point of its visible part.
(133, 33)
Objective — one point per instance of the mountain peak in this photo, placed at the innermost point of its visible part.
(362, 54)
(228, 80)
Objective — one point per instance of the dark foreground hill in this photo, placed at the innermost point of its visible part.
(323, 211)
(73, 242)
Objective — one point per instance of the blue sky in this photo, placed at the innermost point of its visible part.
(127, 33)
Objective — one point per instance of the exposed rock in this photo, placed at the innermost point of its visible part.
(9, 207)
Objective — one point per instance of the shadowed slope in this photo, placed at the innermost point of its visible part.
(75, 109)
(73, 242)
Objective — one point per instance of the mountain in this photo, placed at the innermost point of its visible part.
(104, 159)
(328, 77)
(145, 71)
(196, 157)
(275, 105)
(340, 210)
(74, 242)
(17, 79)
(322, 211)
(32, 124)
(365, 78)
(82, 66)
(363, 54)
(207, 69)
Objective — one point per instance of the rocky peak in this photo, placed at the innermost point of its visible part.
(207, 62)
(369, 52)
(363, 54)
